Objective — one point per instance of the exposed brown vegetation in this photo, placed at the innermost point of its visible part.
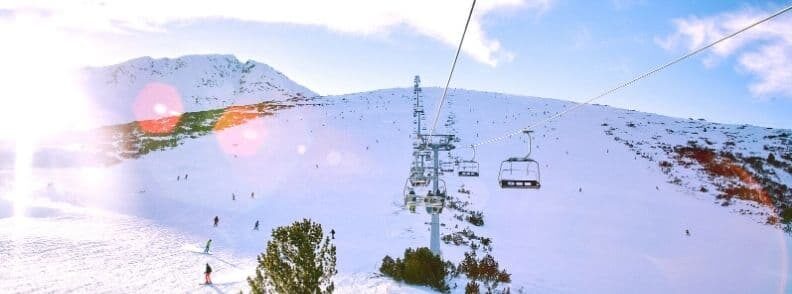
(725, 165)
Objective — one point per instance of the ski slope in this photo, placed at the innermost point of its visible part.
(605, 220)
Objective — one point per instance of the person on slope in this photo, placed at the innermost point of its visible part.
(256, 225)
(216, 220)
(208, 243)
(208, 274)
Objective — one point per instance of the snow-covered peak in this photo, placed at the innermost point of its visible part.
(192, 83)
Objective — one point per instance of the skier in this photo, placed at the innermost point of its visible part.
(332, 233)
(233, 196)
(256, 225)
(216, 220)
(178, 178)
(252, 195)
(687, 232)
(206, 249)
(208, 274)
(185, 176)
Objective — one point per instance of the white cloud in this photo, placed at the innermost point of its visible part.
(764, 51)
(440, 19)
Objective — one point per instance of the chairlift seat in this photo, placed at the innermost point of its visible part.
(468, 168)
(519, 173)
(419, 181)
(519, 159)
(520, 184)
(468, 173)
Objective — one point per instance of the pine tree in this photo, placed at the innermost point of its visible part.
(485, 270)
(298, 259)
(419, 267)
(472, 288)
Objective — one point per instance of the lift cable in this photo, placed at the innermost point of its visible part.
(453, 66)
(637, 78)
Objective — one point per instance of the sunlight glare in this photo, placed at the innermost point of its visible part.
(158, 108)
(40, 97)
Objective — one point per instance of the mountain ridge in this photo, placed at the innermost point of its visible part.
(198, 82)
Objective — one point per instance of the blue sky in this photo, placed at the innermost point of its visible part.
(568, 50)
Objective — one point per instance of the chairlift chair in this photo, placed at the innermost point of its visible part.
(447, 166)
(410, 198)
(469, 168)
(418, 177)
(520, 172)
(435, 203)
(419, 180)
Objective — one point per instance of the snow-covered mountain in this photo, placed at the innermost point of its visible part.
(619, 189)
(200, 82)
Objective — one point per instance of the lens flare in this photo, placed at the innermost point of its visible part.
(158, 108)
(239, 132)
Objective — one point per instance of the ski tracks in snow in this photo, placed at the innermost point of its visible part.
(101, 253)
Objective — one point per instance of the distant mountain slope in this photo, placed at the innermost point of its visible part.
(202, 82)
(727, 161)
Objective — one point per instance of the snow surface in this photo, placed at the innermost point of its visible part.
(126, 227)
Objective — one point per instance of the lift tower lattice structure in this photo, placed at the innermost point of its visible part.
(436, 197)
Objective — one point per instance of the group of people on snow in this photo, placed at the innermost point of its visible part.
(208, 271)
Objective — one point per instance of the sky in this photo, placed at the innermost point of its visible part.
(570, 50)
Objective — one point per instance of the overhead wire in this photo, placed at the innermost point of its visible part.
(635, 79)
(451, 74)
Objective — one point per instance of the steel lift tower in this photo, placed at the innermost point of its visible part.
(436, 197)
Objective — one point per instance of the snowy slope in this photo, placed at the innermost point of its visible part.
(201, 81)
(605, 221)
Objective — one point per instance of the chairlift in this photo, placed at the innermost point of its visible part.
(409, 193)
(447, 166)
(434, 203)
(469, 168)
(520, 172)
(410, 196)
(418, 176)
(419, 180)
